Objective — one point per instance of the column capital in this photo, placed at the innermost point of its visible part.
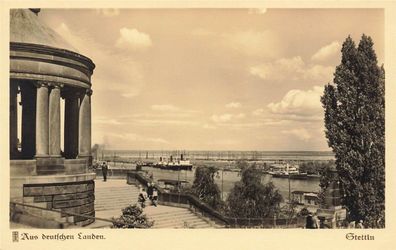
(55, 85)
(71, 93)
(39, 84)
(88, 92)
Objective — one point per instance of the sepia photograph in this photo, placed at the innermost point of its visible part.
(195, 118)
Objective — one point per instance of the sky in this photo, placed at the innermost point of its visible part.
(212, 79)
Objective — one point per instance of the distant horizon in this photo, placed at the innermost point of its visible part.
(216, 79)
(212, 150)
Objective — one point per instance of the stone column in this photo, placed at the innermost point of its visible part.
(54, 122)
(42, 120)
(71, 124)
(28, 138)
(13, 119)
(84, 144)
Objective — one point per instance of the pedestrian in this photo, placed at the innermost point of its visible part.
(315, 221)
(104, 170)
(142, 198)
(150, 187)
(352, 224)
(311, 222)
(155, 197)
(360, 224)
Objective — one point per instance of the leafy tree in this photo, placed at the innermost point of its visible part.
(325, 180)
(132, 217)
(249, 198)
(303, 212)
(355, 128)
(314, 167)
(205, 188)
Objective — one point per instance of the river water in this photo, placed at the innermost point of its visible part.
(226, 180)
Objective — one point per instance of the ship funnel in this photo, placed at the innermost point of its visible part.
(181, 157)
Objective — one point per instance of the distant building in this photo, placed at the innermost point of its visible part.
(305, 198)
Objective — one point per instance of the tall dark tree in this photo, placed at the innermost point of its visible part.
(249, 198)
(354, 108)
(205, 188)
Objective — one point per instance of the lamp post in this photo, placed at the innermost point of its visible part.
(289, 188)
(222, 189)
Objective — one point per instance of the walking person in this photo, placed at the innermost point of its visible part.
(315, 221)
(150, 187)
(360, 224)
(142, 198)
(155, 197)
(104, 170)
(311, 222)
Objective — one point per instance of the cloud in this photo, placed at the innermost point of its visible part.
(264, 44)
(283, 68)
(319, 73)
(293, 69)
(258, 112)
(252, 43)
(129, 138)
(106, 121)
(132, 39)
(233, 105)
(299, 103)
(226, 117)
(125, 76)
(162, 122)
(165, 107)
(200, 32)
(108, 12)
(208, 126)
(327, 52)
(300, 133)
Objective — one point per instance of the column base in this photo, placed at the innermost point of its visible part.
(42, 156)
(88, 157)
(83, 156)
(49, 165)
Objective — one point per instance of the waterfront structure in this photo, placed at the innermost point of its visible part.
(44, 72)
(305, 198)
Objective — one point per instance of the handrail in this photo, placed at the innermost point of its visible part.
(204, 207)
(73, 214)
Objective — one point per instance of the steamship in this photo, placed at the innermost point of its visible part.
(180, 164)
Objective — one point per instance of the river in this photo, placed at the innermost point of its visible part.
(226, 180)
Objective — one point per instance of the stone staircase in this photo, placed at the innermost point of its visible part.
(114, 195)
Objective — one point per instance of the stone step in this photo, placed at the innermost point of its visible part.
(167, 213)
(182, 224)
(180, 221)
(114, 201)
(171, 216)
(114, 196)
